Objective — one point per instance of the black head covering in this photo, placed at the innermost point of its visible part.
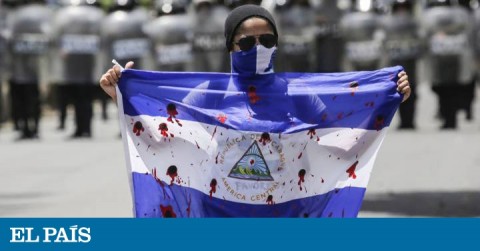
(240, 14)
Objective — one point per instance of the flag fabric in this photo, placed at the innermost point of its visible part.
(273, 145)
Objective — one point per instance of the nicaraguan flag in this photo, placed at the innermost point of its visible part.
(274, 145)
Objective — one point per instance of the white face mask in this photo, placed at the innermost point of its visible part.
(258, 60)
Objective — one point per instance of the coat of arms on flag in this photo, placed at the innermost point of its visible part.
(274, 145)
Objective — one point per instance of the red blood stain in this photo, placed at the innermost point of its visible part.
(213, 187)
(270, 200)
(167, 212)
(351, 170)
(172, 112)
(163, 128)
(340, 115)
(252, 94)
(354, 87)
(189, 208)
(301, 153)
(252, 162)
(172, 172)
(379, 123)
(154, 173)
(214, 132)
(311, 132)
(179, 180)
(301, 178)
(222, 118)
(138, 128)
(265, 138)
(318, 138)
(323, 181)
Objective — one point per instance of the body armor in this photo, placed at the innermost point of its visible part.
(77, 43)
(450, 49)
(296, 43)
(362, 45)
(208, 42)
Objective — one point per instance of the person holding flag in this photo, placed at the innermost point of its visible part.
(252, 143)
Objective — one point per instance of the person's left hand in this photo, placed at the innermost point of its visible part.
(403, 86)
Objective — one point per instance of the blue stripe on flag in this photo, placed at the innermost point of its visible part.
(277, 103)
(153, 200)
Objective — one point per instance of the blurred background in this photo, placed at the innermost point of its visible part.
(60, 149)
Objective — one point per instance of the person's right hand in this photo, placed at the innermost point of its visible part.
(109, 80)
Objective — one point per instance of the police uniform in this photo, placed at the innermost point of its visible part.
(208, 47)
(123, 39)
(403, 47)
(450, 56)
(77, 44)
(296, 20)
(171, 34)
(360, 29)
(28, 43)
(329, 43)
(3, 52)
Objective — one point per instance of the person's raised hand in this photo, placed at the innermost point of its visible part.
(403, 86)
(109, 80)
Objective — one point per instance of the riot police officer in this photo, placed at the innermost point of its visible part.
(28, 44)
(3, 52)
(171, 34)
(232, 4)
(450, 56)
(477, 46)
(360, 29)
(329, 43)
(209, 53)
(77, 43)
(403, 47)
(123, 39)
(468, 90)
(296, 19)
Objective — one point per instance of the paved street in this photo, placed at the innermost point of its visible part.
(427, 172)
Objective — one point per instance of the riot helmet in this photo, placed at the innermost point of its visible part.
(469, 4)
(170, 7)
(435, 3)
(25, 2)
(95, 3)
(232, 4)
(9, 3)
(367, 6)
(203, 4)
(402, 6)
(285, 4)
(125, 5)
